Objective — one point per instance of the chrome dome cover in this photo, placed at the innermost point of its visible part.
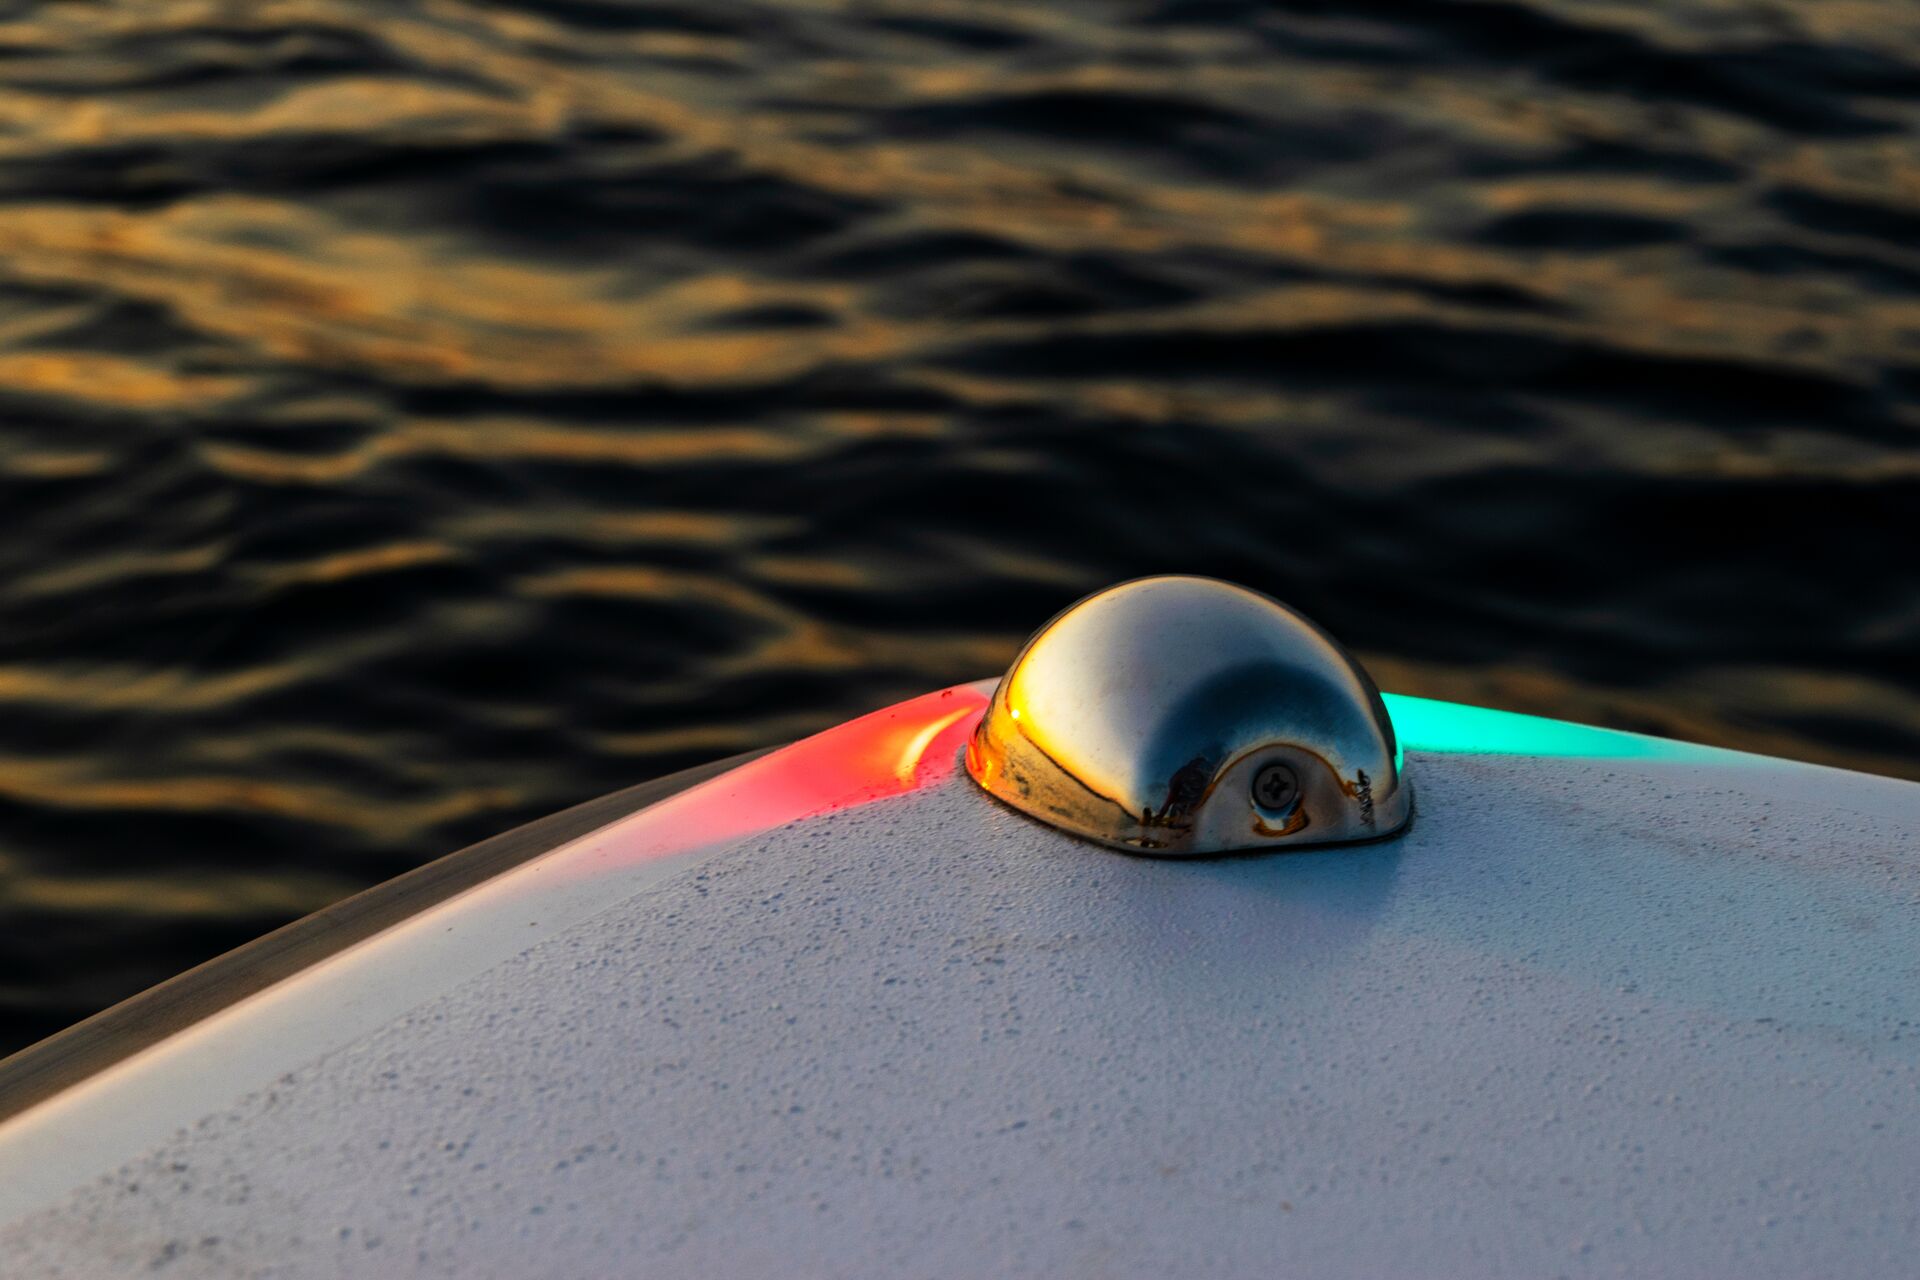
(1183, 716)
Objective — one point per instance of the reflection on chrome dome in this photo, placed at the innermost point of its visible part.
(1181, 716)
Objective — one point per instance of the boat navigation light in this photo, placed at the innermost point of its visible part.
(1185, 716)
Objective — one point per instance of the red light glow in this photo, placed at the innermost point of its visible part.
(889, 752)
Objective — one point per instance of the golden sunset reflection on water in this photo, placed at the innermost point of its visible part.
(418, 417)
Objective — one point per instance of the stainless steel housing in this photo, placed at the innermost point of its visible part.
(1183, 716)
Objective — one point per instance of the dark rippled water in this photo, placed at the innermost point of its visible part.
(417, 417)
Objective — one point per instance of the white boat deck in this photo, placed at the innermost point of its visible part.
(1611, 1007)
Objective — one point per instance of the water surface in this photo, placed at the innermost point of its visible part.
(417, 417)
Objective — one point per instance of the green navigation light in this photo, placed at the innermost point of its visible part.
(1425, 724)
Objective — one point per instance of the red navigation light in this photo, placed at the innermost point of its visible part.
(889, 752)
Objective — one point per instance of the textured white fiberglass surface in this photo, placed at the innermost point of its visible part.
(1588, 1017)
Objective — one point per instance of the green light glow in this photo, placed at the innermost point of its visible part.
(1424, 724)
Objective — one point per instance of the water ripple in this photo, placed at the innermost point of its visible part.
(416, 417)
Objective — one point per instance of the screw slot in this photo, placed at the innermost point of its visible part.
(1275, 787)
